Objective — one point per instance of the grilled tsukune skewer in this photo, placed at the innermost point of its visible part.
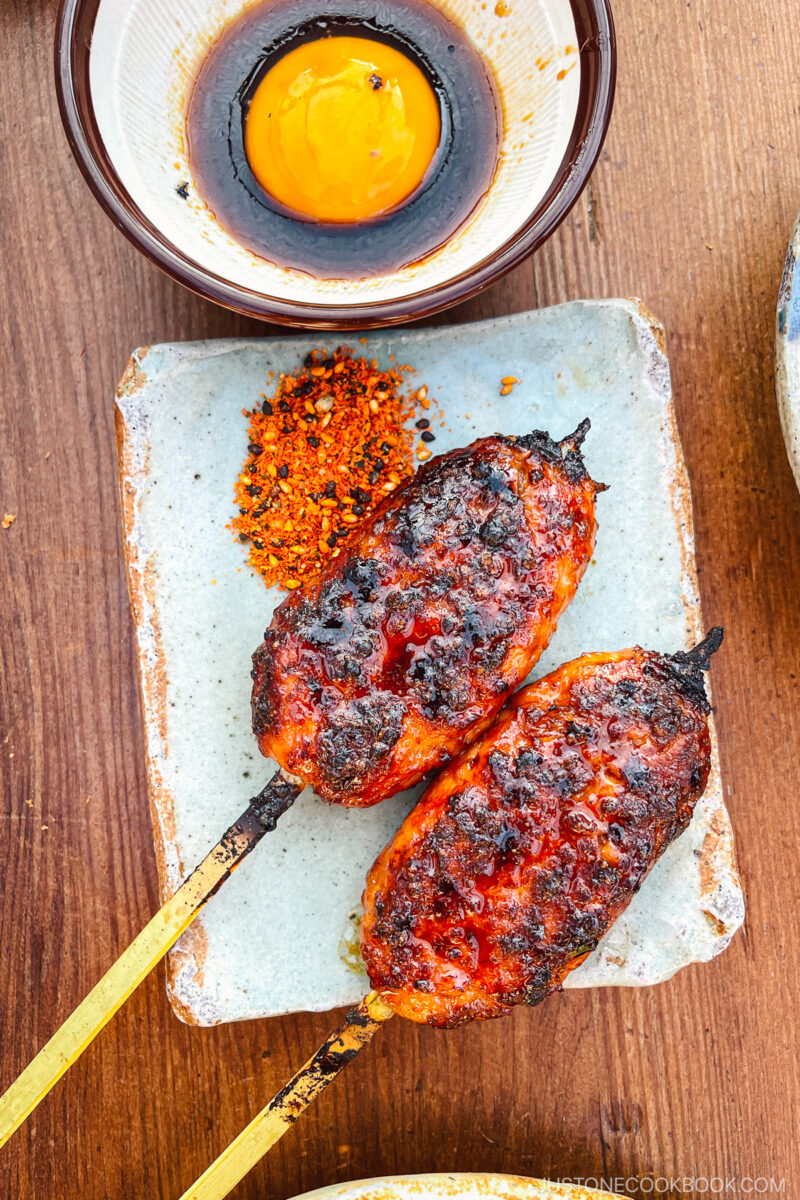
(524, 852)
(517, 860)
(405, 650)
(396, 660)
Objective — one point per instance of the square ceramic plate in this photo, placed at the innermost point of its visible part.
(275, 938)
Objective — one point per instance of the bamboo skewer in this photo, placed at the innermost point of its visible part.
(359, 1028)
(147, 949)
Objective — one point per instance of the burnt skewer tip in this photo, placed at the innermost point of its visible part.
(567, 451)
(273, 800)
(710, 644)
(575, 440)
(541, 441)
(570, 447)
(690, 665)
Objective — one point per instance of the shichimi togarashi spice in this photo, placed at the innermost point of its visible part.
(323, 451)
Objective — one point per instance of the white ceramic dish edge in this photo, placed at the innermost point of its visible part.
(454, 1186)
(787, 374)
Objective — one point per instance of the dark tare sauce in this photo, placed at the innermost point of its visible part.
(458, 179)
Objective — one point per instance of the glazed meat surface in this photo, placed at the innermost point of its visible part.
(528, 847)
(406, 648)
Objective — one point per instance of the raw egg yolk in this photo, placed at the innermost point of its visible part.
(342, 129)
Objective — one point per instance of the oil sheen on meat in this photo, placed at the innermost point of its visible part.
(526, 849)
(407, 647)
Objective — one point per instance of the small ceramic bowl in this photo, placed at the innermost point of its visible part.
(125, 68)
(456, 1186)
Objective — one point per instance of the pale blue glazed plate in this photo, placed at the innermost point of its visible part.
(272, 940)
(787, 380)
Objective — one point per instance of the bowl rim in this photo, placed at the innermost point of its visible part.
(434, 1185)
(597, 49)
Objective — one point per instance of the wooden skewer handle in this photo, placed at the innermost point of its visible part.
(359, 1028)
(106, 997)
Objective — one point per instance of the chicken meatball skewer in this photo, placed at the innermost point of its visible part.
(402, 655)
(521, 856)
(517, 860)
(397, 659)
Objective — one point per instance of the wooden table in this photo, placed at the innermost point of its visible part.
(691, 208)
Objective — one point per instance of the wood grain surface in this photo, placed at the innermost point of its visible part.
(691, 208)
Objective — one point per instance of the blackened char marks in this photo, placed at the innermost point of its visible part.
(463, 526)
(265, 710)
(447, 508)
(567, 453)
(450, 592)
(356, 736)
(340, 630)
(526, 849)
